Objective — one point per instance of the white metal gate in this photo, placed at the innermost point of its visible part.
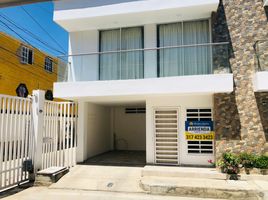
(59, 134)
(166, 122)
(16, 139)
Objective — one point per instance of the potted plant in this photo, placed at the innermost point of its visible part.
(262, 164)
(231, 165)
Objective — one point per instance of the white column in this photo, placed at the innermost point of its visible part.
(150, 149)
(38, 123)
(150, 56)
(81, 152)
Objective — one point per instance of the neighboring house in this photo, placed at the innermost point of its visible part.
(157, 75)
(23, 65)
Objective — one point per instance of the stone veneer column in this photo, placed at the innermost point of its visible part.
(238, 124)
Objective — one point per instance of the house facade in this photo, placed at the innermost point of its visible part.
(26, 66)
(183, 81)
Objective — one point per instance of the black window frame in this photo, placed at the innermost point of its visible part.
(48, 68)
(26, 55)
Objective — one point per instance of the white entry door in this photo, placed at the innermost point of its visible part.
(166, 126)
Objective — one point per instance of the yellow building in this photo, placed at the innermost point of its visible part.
(24, 64)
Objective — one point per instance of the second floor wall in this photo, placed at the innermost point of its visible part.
(134, 39)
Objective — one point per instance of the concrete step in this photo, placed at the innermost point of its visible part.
(50, 175)
(182, 172)
(203, 188)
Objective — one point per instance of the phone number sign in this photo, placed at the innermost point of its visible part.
(199, 130)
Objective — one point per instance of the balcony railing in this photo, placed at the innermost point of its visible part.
(193, 59)
(261, 52)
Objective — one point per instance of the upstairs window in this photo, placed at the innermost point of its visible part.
(187, 58)
(26, 55)
(48, 64)
(121, 54)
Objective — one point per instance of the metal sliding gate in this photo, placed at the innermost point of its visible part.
(17, 137)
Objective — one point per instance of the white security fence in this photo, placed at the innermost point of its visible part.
(59, 134)
(35, 134)
(16, 139)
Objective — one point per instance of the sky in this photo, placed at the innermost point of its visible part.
(34, 24)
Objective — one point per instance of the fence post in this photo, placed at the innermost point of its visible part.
(38, 124)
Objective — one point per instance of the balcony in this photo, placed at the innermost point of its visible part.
(185, 69)
(261, 77)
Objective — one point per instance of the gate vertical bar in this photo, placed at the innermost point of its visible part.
(14, 158)
(6, 141)
(2, 108)
(10, 142)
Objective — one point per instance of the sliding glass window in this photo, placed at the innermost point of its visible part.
(121, 56)
(191, 58)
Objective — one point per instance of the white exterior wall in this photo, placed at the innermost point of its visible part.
(183, 103)
(130, 130)
(86, 67)
(98, 130)
(150, 56)
(83, 15)
(82, 125)
(260, 81)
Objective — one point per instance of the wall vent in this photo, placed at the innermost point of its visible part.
(135, 110)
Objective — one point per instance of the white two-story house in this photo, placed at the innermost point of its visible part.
(143, 72)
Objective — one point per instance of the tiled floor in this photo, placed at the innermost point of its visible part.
(119, 158)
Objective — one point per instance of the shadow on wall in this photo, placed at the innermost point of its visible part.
(71, 4)
(220, 33)
(226, 116)
(262, 102)
(266, 11)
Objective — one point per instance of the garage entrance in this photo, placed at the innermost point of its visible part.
(116, 135)
(119, 158)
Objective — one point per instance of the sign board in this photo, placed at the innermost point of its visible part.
(199, 130)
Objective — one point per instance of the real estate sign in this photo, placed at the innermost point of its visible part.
(199, 130)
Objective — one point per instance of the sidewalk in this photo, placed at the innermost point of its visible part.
(151, 182)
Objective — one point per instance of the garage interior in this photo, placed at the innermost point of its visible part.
(116, 135)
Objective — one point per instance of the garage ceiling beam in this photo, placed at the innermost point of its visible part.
(8, 3)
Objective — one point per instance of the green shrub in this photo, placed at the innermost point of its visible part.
(261, 162)
(247, 160)
(230, 163)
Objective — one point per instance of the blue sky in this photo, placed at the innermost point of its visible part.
(53, 39)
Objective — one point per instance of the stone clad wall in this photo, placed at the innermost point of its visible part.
(262, 102)
(238, 121)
